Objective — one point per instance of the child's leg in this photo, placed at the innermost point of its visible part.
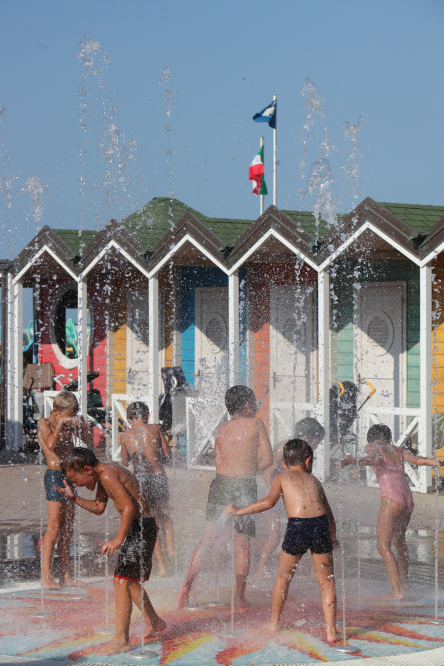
(388, 515)
(287, 567)
(242, 545)
(124, 607)
(165, 524)
(50, 539)
(154, 622)
(159, 556)
(198, 558)
(401, 525)
(64, 542)
(273, 540)
(326, 580)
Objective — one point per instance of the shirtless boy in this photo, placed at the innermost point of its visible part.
(56, 440)
(310, 431)
(136, 535)
(311, 526)
(143, 445)
(242, 449)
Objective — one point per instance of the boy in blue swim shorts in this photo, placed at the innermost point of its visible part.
(56, 441)
(311, 526)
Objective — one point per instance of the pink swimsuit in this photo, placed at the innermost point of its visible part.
(393, 484)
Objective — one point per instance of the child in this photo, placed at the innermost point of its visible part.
(397, 505)
(310, 431)
(56, 439)
(136, 535)
(242, 449)
(143, 445)
(311, 526)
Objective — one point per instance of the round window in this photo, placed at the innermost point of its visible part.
(380, 333)
(64, 326)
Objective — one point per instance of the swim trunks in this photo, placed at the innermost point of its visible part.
(307, 534)
(156, 489)
(226, 490)
(54, 479)
(136, 554)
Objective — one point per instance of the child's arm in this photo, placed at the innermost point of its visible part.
(262, 505)
(277, 458)
(111, 481)
(265, 452)
(371, 459)
(329, 513)
(125, 457)
(51, 438)
(85, 434)
(165, 448)
(420, 460)
(96, 506)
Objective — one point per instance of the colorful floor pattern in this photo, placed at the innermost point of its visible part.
(204, 638)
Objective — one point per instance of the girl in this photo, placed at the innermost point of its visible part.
(396, 508)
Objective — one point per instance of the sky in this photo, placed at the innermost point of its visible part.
(191, 136)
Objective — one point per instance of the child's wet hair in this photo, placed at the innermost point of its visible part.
(379, 432)
(137, 410)
(78, 459)
(237, 397)
(309, 429)
(65, 401)
(296, 452)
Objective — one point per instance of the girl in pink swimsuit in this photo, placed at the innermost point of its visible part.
(397, 505)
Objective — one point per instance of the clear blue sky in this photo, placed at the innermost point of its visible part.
(382, 59)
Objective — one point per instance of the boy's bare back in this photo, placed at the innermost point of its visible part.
(242, 447)
(143, 445)
(118, 483)
(303, 494)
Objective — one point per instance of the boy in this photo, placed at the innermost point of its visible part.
(136, 535)
(311, 526)
(310, 431)
(242, 449)
(143, 445)
(56, 440)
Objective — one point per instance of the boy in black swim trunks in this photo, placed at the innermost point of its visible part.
(311, 526)
(136, 536)
(242, 450)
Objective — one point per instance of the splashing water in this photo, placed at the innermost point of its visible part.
(350, 132)
(168, 98)
(5, 181)
(37, 190)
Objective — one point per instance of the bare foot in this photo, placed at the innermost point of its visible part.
(272, 626)
(405, 586)
(70, 582)
(157, 625)
(335, 637)
(114, 648)
(392, 596)
(184, 598)
(241, 604)
(50, 584)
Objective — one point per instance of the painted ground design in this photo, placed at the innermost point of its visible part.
(204, 636)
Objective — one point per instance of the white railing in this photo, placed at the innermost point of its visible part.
(118, 410)
(278, 416)
(418, 479)
(200, 442)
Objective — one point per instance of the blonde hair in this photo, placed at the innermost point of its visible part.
(66, 401)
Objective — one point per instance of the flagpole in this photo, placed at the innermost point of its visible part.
(261, 196)
(275, 161)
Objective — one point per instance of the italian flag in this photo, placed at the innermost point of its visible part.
(256, 173)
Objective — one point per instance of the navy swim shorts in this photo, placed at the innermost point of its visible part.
(307, 534)
(136, 555)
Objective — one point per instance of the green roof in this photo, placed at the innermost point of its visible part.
(76, 239)
(307, 221)
(420, 218)
(150, 224)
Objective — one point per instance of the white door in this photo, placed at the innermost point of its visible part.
(137, 341)
(211, 364)
(380, 345)
(292, 355)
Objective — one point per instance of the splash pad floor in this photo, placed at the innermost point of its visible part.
(71, 632)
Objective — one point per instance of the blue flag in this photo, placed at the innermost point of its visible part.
(267, 115)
